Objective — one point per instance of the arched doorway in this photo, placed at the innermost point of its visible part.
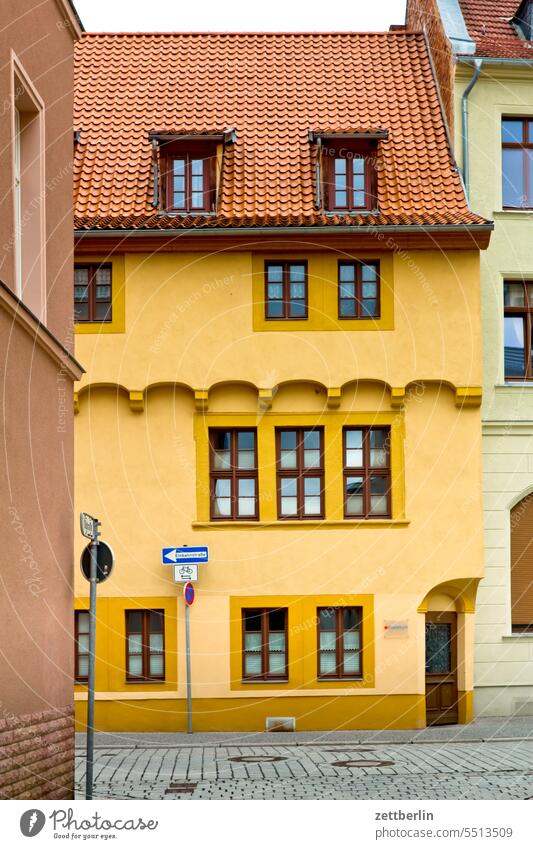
(448, 611)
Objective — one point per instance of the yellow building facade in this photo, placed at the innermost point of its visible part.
(326, 448)
(143, 468)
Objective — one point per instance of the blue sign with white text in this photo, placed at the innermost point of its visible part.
(185, 554)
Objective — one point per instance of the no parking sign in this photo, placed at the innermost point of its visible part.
(188, 593)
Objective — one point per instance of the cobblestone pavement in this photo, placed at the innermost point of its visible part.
(494, 769)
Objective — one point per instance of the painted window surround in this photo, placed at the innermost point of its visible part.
(303, 641)
(503, 386)
(500, 112)
(111, 657)
(118, 295)
(28, 181)
(322, 293)
(333, 423)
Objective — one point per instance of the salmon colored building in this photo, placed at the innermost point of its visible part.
(277, 291)
(37, 372)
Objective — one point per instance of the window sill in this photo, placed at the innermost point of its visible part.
(174, 213)
(331, 212)
(500, 212)
(337, 680)
(515, 384)
(511, 638)
(307, 523)
(276, 681)
(145, 681)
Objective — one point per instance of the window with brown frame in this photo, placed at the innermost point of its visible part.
(145, 645)
(359, 290)
(517, 329)
(92, 293)
(81, 645)
(349, 176)
(286, 290)
(190, 177)
(300, 472)
(517, 163)
(367, 476)
(265, 644)
(339, 642)
(233, 472)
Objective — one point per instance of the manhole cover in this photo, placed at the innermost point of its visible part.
(362, 763)
(257, 759)
(181, 787)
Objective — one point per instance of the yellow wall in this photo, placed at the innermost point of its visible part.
(143, 470)
(189, 319)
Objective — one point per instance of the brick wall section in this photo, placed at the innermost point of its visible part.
(424, 16)
(37, 756)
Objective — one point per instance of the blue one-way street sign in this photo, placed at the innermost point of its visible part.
(185, 554)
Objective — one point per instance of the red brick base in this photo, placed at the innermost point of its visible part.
(37, 755)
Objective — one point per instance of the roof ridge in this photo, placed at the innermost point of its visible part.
(393, 33)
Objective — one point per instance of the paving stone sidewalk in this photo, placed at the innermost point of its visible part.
(486, 764)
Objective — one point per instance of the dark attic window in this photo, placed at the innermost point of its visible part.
(524, 19)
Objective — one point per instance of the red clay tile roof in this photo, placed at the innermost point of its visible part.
(489, 24)
(272, 88)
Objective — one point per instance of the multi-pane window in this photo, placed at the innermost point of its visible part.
(300, 470)
(517, 163)
(350, 177)
(265, 643)
(285, 290)
(339, 642)
(81, 635)
(145, 645)
(518, 337)
(233, 472)
(359, 290)
(92, 293)
(367, 476)
(189, 184)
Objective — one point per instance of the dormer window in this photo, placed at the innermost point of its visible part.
(524, 19)
(189, 177)
(350, 183)
(346, 171)
(187, 169)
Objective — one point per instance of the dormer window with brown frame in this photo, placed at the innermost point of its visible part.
(346, 175)
(187, 170)
(190, 178)
(350, 178)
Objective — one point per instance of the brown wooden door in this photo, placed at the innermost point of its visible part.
(441, 669)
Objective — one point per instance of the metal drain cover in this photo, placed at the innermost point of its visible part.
(181, 787)
(257, 759)
(362, 763)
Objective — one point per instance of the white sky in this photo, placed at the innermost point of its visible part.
(219, 15)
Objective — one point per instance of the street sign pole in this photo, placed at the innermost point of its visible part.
(92, 655)
(188, 651)
(188, 597)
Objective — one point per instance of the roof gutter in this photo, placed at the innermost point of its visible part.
(494, 60)
(289, 231)
(464, 123)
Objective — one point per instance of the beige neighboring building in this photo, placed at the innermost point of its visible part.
(37, 371)
(483, 55)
